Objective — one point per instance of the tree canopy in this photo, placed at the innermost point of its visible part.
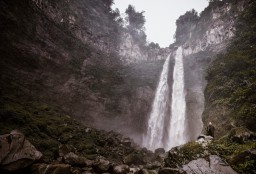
(135, 19)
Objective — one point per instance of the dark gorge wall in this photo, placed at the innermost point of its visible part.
(66, 54)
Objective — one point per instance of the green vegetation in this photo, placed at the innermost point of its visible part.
(238, 155)
(231, 76)
(47, 128)
(232, 86)
(183, 154)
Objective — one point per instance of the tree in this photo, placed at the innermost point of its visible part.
(115, 15)
(108, 2)
(189, 16)
(135, 19)
(153, 45)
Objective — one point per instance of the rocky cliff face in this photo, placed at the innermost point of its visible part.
(202, 37)
(68, 55)
(131, 52)
(211, 30)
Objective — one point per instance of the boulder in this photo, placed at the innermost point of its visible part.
(121, 169)
(76, 161)
(101, 165)
(159, 151)
(241, 135)
(135, 158)
(214, 165)
(51, 169)
(16, 152)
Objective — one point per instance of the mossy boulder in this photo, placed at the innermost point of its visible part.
(135, 158)
(241, 135)
(183, 154)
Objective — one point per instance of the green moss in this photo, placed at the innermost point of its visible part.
(182, 155)
(191, 150)
(47, 128)
(235, 153)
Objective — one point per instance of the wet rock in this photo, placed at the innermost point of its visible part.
(121, 169)
(197, 166)
(134, 158)
(159, 151)
(101, 165)
(76, 160)
(216, 165)
(51, 169)
(16, 152)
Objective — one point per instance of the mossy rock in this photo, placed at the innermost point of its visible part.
(241, 135)
(181, 155)
(135, 158)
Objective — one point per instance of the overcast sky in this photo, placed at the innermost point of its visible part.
(161, 16)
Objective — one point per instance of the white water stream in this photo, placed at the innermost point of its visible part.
(165, 127)
(177, 126)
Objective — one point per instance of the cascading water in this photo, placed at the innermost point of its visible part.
(155, 133)
(165, 128)
(177, 124)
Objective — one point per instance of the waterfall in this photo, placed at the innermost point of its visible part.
(178, 108)
(166, 128)
(155, 133)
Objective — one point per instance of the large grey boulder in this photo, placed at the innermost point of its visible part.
(16, 152)
(215, 165)
(121, 169)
